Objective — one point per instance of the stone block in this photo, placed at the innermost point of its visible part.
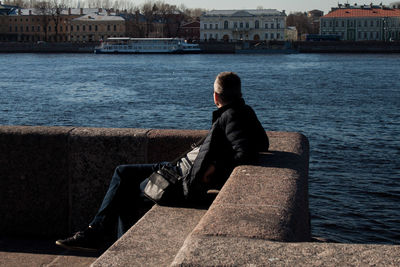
(154, 240)
(93, 155)
(33, 184)
(236, 251)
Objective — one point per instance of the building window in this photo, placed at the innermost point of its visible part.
(241, 25)
(205, 26)
(372, 23)
(16, 28)
(226, 24)
(33, 28)
(49, 28)
(278, 36)
(77, 29)
(266, 36)
(109, 29)
(115, 27)
(257, 24)
(205, 36)
(84, 28)
(272, 26)
(235, 25)
(210, 26)
(365, 23)
(61, 29)
(216, 36)
(266, 25)
(95, 28)
(342, 23)
(336, 23)
(10, 29)
(247, 25)
(272, 36)
(278, 26)
(38, 28)
(27, 28)
(216, 26)
(72, 28)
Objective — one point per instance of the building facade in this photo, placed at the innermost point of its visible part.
(362, 23)
(96, 27)
(31, 25)
(71, 25)
(233, 25)
(190, 31)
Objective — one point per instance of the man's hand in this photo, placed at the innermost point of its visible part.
(208, 174)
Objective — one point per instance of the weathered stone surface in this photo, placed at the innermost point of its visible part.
(166, 145)
(93, 155)
(154, 240)
(234, 251)
(269, 201)
(33, 184)
(40, 252)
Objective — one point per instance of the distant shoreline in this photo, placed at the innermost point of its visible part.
(223, 48)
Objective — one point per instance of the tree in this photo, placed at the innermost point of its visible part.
(42, 9)
(56, 9)
(300, 21)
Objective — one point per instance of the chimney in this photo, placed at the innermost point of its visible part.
(69, 11)
(81, 11)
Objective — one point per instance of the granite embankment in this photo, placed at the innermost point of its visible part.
(53, 180)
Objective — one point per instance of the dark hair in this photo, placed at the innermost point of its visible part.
(228, 86)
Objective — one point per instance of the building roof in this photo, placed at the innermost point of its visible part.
(192, 24)
(99, 17)
(243, 13)
(74, 11)
(361, 12)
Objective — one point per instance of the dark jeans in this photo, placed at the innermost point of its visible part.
(124, 202)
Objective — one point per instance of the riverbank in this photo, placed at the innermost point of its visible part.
(250, 47)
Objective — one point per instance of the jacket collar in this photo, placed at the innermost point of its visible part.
(217, 113)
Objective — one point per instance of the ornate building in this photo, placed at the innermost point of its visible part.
(362, 23)
(258, 24)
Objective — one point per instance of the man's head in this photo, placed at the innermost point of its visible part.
(227, 88)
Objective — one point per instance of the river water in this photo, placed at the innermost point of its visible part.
(346, 104)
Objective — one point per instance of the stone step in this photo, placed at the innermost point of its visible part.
(154, 240)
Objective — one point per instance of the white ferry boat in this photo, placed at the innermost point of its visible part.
(146, 45)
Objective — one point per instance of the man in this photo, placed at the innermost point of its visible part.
(235, 138)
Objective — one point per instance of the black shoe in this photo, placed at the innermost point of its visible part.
(88, 240)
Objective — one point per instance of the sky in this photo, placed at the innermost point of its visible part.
(287, 5)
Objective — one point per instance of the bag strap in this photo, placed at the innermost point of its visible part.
(187, 151)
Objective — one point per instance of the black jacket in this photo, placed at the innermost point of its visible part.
(235, 138)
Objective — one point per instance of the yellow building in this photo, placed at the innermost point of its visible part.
(96, 27)
(30, 25)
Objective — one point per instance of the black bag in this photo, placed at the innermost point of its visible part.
(164, 186)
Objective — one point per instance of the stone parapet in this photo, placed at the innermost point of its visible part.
(53, 179)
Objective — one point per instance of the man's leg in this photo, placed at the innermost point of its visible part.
(121, 202)
(122, 199)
